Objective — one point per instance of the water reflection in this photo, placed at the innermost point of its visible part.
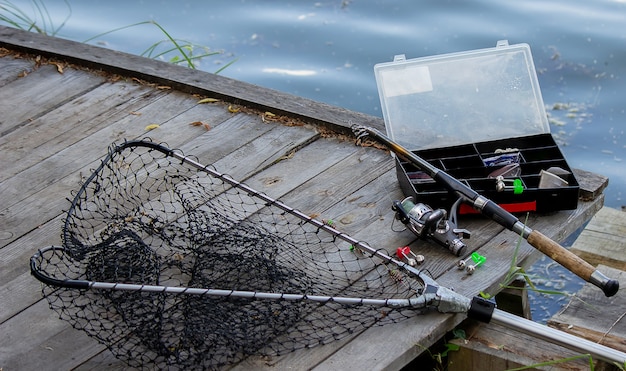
(325, 50)
(288, 72)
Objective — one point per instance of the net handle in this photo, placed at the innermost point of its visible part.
(416, 302)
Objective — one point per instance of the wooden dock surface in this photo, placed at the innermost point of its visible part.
(64, 103)
(595, 318)
(588, 313)
(602, 243)
(604, 239)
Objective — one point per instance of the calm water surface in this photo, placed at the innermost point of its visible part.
(326, 50)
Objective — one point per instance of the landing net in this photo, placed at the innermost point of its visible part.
(150, 218)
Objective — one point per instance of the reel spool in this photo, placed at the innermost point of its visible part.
(425, 222)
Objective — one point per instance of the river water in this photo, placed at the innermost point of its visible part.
(326, 50)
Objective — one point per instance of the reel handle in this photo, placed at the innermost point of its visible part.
(573, 262)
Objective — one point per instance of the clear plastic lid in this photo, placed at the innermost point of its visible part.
(461, 98)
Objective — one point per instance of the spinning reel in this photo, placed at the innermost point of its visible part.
(425, 222)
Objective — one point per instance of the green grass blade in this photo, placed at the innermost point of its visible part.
(18, 18)
(115, 30)
(225, 66)
(184, 55)
(43, 22)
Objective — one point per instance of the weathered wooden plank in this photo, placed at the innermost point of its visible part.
(353, 169)
(17, 283)
(180, 129)
(104, 361)
(602, 240)
(40, 91)
(404, 348)
(591, 185)
(372, 353)
(186, 80)
(249, 157)
(12, 68)
(236, 135)
(595, 317)
(17, 252)
(71, 122)
(308, 163)
(493, 347)
(36, 194)
(52, 344)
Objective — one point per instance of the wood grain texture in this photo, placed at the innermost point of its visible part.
(602, 240)
(594, 317)
(52, 141)
(494, 347)
(185, 79)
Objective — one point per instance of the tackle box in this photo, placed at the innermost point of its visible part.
(476, 115)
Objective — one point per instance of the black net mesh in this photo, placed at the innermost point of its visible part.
(146, 217)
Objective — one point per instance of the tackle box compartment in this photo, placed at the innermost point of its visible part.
(475, 114)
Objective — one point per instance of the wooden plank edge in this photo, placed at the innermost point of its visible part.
(494, 347)
(601, 242)
(187, 80)
(592, 316)
(591, 185)
(611, 341)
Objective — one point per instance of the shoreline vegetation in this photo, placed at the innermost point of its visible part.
(170, 49)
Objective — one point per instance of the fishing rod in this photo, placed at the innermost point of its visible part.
(213, 271)
(492, 210)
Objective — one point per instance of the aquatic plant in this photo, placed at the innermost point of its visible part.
(41, 22)
(516, 271)
(171, 49)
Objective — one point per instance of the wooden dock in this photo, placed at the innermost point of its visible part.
(64, 103)
(602, 243)
(588, 313)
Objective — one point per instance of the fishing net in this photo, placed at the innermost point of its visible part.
(171, 264)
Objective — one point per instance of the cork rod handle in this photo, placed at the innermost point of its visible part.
(572, 262)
